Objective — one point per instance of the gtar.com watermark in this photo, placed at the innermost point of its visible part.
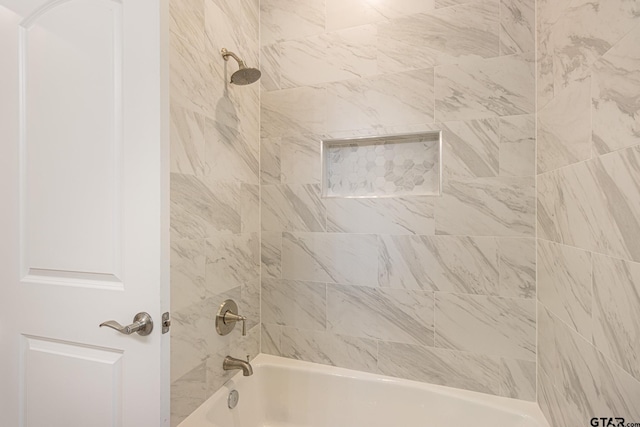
(611, 422)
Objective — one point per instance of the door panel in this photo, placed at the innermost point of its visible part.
(84, 222)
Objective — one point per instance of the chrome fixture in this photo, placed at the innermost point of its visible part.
(232, 400)
(231, 364)
(142, 324)
(245, 75)
(227, 318)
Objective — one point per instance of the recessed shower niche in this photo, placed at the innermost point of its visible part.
(383, 166)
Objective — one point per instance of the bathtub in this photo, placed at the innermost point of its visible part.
(291, 393)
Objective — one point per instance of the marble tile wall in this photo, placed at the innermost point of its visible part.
(588, 219)
(215, 220)
(436, 289)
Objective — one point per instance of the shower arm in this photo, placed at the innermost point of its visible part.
(226, 54)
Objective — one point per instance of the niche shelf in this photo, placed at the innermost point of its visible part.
(382, 166)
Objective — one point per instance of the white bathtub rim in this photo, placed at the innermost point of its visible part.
(524, 408)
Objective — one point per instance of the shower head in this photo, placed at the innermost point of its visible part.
(244, 75)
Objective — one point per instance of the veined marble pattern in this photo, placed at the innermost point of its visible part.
(572, 364)
(410, 215)
(442, 263)
(271, 255)
(440, 366)
(517, 267)
(470, 149)
(330, 257)
(187, 393)
(231, 155)
(186, 20)
(249, 208)
(300, 159)
(290, 19)
(187, 69)
(330, 349)
(328, 57)
(232, 260)
(292, 208)
(555, 405)
(517, 26)
(270, 160)
(250, 302)
(187, 141)
(297, 304)
(501, 206)
(615, 204)
(439, 37)
(494, 326)
(269, 57)
(385, 314)
(564, 128)
(616, 325)
(270, 339)
(518, 145)
(576, 47)
(518, 379)
(351, 13)
(293, 111)
(387, 100)
(188, 260)
(484, 88)
(200, 207)
(564, 284)
(616, 95)
(562, 216)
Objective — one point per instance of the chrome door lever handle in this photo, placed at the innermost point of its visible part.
(142, 324)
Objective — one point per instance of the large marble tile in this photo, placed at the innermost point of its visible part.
(186, 20)
(351, 13)
(518, 379)
(495, 326)
(270, 160)
(249, 208)
(482, 88)
(517, 26)
(408, 215)
(230, 154)
(187, 141)
(555, 405)
(187, 273)
(616, 95)
(290, 19)
(596, 385)
(616, 304)
(518, 145)
(330, 257)
(562, 213)
(270, 67)
(577, 47)
(301, 305)
(517, 267)
(440, 366)
(385, 314)
(328, 57)
(439, 37)
(200, 207)
(614, 204)
(470, 149)
(249, 304)
(292, 208)
(387, 100)
(187, 69)
(270, 339)
(293, 111)
(564, 128)
(300, 159)
(564, 284)
(442, 263)
(187, 393)
(330, 349)
(271, 255)
(501, 206)
(232, 260)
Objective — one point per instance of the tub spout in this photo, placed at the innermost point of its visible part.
(231, 363)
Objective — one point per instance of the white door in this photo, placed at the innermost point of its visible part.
(83, 212)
